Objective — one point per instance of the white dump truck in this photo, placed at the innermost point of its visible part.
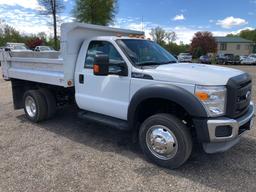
(118, 78)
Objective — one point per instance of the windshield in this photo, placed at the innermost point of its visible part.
(144, 52)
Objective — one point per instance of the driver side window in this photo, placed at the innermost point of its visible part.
(102, 47)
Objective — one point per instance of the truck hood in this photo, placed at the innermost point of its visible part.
(192, 73)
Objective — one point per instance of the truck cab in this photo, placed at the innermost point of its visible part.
(118, 78)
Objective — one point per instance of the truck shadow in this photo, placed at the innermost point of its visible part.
(232, 170)
(100, 137)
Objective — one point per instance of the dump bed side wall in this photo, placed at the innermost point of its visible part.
(32, 66)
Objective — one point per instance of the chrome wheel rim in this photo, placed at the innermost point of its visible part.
(161, 142)
(30, 106)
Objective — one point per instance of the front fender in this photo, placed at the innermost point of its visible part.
(172, 93)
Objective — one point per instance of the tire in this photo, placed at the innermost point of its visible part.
(180, 149)
(38, 111)
(51, 102)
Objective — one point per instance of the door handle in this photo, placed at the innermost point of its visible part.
(81, 79)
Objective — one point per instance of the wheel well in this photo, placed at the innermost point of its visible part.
(154, 106)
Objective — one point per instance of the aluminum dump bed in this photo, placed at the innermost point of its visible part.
(56, 68)
(33, 66)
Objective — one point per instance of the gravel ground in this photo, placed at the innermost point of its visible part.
(67, 154)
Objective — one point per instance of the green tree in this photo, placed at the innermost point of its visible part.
(232, 35)
(53, 8)
(176, 49)
(10, 35)
(100, 12)
(248, 34)
(161, 36)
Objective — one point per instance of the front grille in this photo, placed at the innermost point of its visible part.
(239, 91)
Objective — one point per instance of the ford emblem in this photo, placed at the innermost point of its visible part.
(248, 94)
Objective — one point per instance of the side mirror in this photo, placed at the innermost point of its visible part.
(119, 69)
(101, 65)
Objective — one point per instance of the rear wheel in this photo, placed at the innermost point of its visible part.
(51, 102)
(35, 106)
(165, 140)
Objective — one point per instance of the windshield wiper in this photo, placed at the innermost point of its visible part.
(167, 62)
(147, 63)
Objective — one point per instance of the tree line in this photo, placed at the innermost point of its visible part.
(10, 34)
(167, 40)
(101, 12)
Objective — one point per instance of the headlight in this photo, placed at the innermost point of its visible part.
(213, 99)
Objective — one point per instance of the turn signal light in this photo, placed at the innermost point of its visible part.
(202, 96)
(69, 83)
(96, 68)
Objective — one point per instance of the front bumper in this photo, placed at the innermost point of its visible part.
(224, 132)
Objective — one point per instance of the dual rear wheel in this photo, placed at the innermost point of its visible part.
(39, 105)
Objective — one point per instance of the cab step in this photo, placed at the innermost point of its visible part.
(103, 119)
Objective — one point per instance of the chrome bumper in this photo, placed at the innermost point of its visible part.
(221, 144)
(235, 124)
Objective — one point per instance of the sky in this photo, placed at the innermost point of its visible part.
(185, 17)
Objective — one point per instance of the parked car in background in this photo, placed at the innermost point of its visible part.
(220, 59)
(44, 49)
(17, 47)
(205, 59)
(176, 57)
(227, 59)
(242, 57)
(250, 60)
(232, 59)
(185, 57)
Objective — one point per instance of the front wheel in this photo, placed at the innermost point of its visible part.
(165, 140)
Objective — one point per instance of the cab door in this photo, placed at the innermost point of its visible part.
(108, 95)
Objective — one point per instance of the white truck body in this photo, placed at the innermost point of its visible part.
(117, 78)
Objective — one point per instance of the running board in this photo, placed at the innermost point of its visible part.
(103, 119)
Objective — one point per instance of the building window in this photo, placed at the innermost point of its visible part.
(223, 46)
(238, 46)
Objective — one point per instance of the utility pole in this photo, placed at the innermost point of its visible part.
(142, 24)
